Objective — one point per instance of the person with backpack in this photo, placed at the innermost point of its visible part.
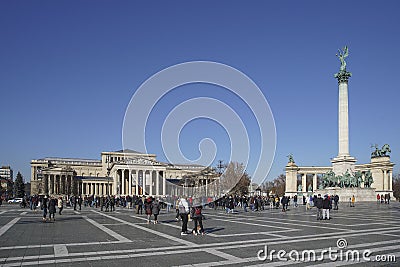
(183, 207)
(197, 217)
(156, 210)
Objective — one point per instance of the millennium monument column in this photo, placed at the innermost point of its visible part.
(343, 162)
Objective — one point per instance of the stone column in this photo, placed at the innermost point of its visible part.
(137, 183)
(114, 176)
(123, 182)
(151, 183)
(304, 182)
(315, 182)
(391, 180)
(130, 183)
(343, 119)
(164, 185)
(363, 179)
(384, 184)
(157, 183)
(144, 182)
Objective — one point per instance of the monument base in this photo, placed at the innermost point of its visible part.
(361, 194)
(342, 164)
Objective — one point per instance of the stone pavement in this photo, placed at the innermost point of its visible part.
(122, 238)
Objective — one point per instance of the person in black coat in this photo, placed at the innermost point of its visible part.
(326, 205)
(318, 203)
(52, 208)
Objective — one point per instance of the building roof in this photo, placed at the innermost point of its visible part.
(94, 178)
(72, 159)
(129, 151)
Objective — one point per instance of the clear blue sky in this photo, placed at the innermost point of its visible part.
(69, 69)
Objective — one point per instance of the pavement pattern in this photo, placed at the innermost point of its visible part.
(91, 237)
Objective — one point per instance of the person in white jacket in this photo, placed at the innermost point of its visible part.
(183, 207)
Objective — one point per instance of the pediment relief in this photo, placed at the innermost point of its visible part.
(141, 161)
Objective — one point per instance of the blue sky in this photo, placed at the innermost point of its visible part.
(69, 69)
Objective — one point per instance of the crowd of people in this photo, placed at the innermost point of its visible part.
(188, 209)
(381, 198)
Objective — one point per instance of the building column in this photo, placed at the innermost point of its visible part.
(144, 182)
(130, 183)
(164, 185)
(363, 180)
(115, 182)
(384, 182)
(123, 182)
(390, 181)
(315, 182)
(137, 183)
(151, 183)
(157, 183)
(304, 182)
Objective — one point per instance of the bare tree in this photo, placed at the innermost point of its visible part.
(396, 186)
(231, 177)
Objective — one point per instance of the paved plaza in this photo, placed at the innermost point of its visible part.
(123, 238)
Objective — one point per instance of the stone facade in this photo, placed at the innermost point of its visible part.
(124, 172)
(380, 167)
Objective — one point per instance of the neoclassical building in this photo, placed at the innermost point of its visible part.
(123, 172)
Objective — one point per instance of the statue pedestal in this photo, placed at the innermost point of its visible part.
(361, 194)
(341, 164)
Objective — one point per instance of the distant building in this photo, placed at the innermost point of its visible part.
(123, 172)
(6, 180)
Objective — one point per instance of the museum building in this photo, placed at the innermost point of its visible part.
(123, 172)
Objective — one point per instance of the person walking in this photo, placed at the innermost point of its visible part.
(198, 219)
(139, 206)
(326, 205)
(60, 205)
(44, 208)
(336, 202)
(183, 207)
(308, 203)
(80, 202)
(319, 204)
(353, 201)
(156, 210)
(177, 209)
(148, 207)
(52, 208)
(112, 203)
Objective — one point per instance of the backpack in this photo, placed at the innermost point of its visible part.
(197, 211)
(182, 209)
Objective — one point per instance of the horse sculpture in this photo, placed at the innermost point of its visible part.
(381, 152)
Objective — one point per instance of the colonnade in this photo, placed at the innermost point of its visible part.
(59, 184)
(139, 182)
(97, 188)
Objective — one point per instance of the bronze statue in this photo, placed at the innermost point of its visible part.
(291, 160)
(342, 56)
